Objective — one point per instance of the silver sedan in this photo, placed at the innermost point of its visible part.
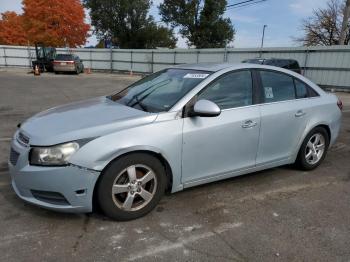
(177, 128)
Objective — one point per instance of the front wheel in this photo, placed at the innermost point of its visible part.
(314, 149)
(131, 186)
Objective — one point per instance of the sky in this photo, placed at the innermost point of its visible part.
(282, 17)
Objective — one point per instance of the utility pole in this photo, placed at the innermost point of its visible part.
(344, 27)
(262, 39)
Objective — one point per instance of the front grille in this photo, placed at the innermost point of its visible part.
(23, 139)
(50, 197)
(13, 156)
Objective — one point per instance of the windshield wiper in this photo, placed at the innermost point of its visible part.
(143, 91)
(145, 96)
(138, 102)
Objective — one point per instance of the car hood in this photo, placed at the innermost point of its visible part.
(85, 119)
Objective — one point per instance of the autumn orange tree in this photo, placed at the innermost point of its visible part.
(11, 29)
(55, 23)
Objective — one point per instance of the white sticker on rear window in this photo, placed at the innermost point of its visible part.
(201, 76)
(268, 92)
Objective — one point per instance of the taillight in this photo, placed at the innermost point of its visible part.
(340, 104)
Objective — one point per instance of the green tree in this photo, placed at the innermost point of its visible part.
(200, 21)
(128, 24)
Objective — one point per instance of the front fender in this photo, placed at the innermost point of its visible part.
(106, 159)
(161, 137)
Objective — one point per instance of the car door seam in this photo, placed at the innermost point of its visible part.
(258, 144)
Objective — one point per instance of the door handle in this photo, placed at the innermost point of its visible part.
(249, 124)
(300, 113)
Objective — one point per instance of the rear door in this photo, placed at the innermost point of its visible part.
(284, 116)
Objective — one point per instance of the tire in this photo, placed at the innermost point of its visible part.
(119, 175)
(308, 158)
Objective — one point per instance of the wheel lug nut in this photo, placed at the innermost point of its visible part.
(132, 192)
(139, 190)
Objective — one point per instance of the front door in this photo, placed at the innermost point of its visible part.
(217, 146)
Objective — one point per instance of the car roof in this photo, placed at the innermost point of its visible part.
(214, 67)
(271, 58)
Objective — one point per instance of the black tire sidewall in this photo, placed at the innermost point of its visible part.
(301, 160)
(104, 187)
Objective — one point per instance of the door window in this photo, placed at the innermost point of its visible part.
(231, 90)
(277, 86)
(300, 89)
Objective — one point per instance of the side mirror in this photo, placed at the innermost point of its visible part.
(205, 108)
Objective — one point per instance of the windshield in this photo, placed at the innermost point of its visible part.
(160, 91)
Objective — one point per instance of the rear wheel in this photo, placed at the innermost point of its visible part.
(314, 149)
(131, 186)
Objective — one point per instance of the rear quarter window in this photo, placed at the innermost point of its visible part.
(301, 90)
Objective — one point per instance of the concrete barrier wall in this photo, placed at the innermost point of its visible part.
(327, 66)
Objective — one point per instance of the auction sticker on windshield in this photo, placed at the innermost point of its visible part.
(196, 75)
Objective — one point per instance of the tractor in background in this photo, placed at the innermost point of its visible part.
(44, 57)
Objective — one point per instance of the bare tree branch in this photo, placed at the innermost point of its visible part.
(324, 26)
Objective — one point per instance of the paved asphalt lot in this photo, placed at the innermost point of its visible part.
(276, 215)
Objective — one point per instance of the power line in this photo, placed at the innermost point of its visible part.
(250, 3)
(243, 2)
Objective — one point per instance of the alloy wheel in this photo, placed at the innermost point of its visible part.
(315, 148)
(134, 187)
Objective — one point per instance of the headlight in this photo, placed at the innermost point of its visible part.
(54, 155)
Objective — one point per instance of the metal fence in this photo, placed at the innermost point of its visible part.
(327, 66)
